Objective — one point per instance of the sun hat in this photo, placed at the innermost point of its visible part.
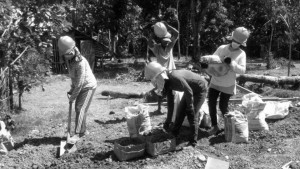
(161, 31)
(239, 35)
(153, 69)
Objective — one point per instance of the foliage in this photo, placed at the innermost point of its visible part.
(34, 25)
(216, 26)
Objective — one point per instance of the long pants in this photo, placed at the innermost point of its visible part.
(82, 104)
(213, 95)
(192, 116)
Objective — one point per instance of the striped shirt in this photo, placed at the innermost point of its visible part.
(82, 77)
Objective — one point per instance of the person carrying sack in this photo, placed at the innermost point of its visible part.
(194, 87)
(224, 86)
(163, 51)
(83, 84)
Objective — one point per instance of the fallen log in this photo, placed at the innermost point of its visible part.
(126, 95)
(239, 100)
(272, 80)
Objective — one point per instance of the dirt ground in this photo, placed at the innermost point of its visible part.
(42, 125)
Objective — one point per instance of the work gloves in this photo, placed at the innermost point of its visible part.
(204, 65)
(227, 60)
(231, 63)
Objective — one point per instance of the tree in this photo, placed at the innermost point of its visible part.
(289, 13)
(33, 25)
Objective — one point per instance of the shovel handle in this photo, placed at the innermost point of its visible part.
(69, 118)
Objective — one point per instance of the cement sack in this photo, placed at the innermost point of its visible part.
(236, 127)
(204, 117)
(6, 140)
(254, 106)
(276, 110)
(138, 120)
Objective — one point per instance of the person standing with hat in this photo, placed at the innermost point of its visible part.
(83, 84)
(194, 87)
(163, 51)
(223, 87)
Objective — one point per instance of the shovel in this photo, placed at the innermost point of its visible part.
(68, 146)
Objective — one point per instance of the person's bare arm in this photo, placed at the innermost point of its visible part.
(174, 32)
(150, 41)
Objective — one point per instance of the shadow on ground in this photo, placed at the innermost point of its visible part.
(115, 121)
(39, 141)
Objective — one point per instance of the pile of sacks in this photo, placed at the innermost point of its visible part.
(255, 111)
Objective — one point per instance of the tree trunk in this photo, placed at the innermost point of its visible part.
(195, 29)
(20, 101)
(196, 19)
(74, 14)
(127, 95)
(178, 41)
(271, 64)
(290, 53)
(277, 81)
(11, 95)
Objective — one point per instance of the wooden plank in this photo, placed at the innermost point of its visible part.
(239, 100)
(213, 163)
(267, 99)
(242, 89)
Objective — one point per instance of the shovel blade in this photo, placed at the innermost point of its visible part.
(70, 148)
(66, 148)
(62, 148)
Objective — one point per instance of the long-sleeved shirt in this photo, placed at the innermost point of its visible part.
(185, 81)
(227, 83)
(82, 77)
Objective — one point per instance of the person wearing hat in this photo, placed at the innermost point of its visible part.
(194, 87)
(224, 86)
(83, 84)
(163, 50)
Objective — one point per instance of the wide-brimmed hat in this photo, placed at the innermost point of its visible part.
(161, 31)
(240, 35)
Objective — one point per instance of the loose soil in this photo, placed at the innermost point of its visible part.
(42, 124)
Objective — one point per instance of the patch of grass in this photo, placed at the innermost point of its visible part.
(276, 72)
(24, 124)
(282, 93)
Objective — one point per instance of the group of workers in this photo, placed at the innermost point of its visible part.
(165, 78)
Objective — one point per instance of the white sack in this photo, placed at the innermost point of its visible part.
(138, 120)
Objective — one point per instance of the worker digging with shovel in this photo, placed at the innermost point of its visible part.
(82, 88)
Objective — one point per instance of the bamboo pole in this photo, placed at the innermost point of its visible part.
(14, 61)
